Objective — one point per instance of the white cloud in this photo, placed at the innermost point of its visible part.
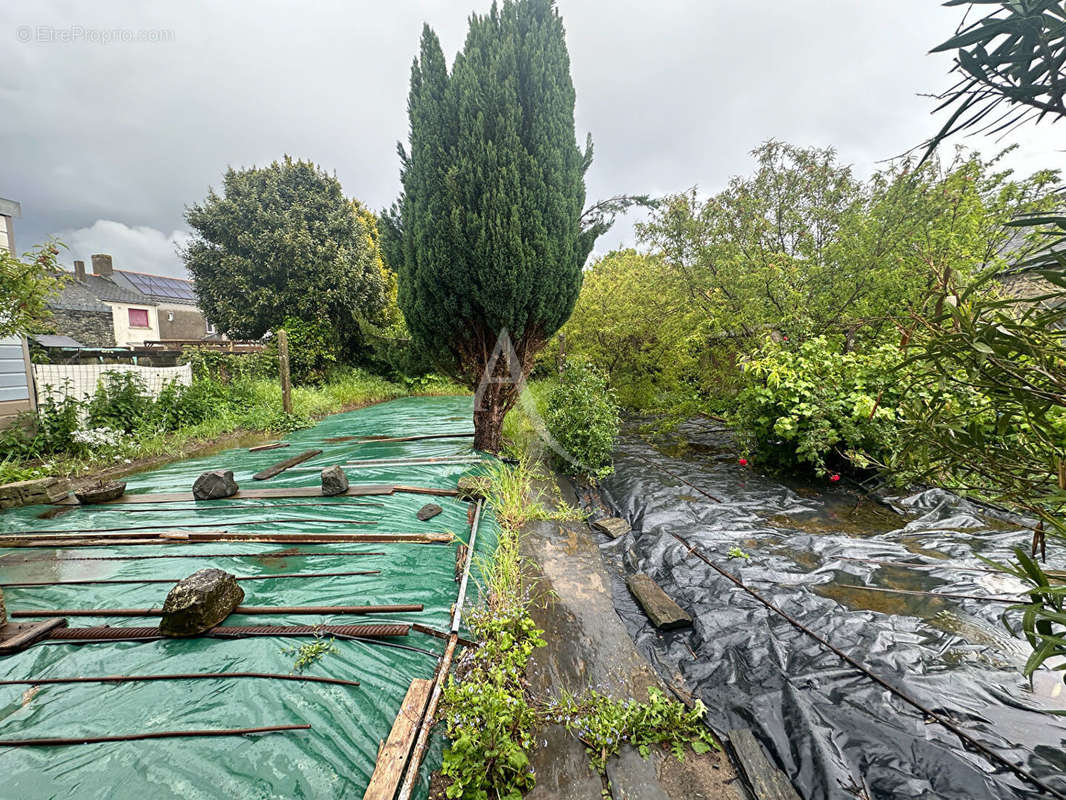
(139, 248)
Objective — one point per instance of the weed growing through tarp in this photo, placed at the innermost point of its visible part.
(308, 654)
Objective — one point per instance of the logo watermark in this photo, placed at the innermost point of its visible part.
(80, 34)
(510, 372)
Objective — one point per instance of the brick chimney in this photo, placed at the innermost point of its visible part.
(79, 271)
(102, 264)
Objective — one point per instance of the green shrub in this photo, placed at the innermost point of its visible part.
(49, 431)
(813, 406)
(121, 401)
(583, 418)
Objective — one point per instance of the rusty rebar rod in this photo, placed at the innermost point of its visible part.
(179, 676)
(285, 575)
(223, 536)
(106, 633)
(81, 531)
(133, 737)
(7, 560)
(279, 610)
(269, 507)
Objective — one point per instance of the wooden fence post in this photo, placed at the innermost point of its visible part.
(283, 368)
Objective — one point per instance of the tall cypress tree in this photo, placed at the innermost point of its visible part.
(490, 219)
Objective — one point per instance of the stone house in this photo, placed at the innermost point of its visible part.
(109, 307)
(77, 313)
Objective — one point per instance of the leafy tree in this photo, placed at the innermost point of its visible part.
(1013, 349)
(283, 241)
(633, 320)
(804, 248)
(490, 218)
(26, 285)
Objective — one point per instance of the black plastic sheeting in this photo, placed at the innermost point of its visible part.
(833, 731)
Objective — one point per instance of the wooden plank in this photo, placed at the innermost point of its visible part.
(266, 494)
(767, 781)
(664, 613)
(281, 466)
(17, 637)
(273, 446)
(393, 756)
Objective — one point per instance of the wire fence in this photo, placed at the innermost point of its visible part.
(57, 382)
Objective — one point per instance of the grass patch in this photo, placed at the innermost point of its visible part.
(175, 427)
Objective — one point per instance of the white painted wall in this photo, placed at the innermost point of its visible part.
(124, 334)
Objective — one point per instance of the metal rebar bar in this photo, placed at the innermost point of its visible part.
(422, 742)
(53, 532)
(269, 507)
(394, 462)
(106, 633)
(281, 610)
(285, 575)
(280, 554)
(56, 741)
(223, 536)
(179, 676)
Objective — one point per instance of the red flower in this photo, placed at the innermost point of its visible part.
(784, 338)
(743, 462)
(834, 478)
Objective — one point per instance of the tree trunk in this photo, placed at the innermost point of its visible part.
(491, 405)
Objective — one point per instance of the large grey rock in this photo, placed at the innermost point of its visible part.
(428, 511)
(663, 612)
(334, 481)
(215, 485)
(200, 602)
(33, 492)
(612, 526)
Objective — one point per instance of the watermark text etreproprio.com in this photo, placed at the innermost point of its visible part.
(78, 34)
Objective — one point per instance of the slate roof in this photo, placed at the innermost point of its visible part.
(110, 291)
(75, 296)
(51, 340)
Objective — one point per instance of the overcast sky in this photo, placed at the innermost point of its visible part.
(104, 143)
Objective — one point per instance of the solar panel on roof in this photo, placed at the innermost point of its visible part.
(161, 286)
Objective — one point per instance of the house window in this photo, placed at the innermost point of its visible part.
(139, 318)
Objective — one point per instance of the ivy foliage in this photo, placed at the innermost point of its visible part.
(283, 241)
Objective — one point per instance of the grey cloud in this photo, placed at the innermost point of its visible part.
(675, 93)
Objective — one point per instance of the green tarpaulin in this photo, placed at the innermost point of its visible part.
(336, 757)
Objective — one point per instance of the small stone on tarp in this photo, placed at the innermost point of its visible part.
(200, 602)
(612, 526)
(428, 511)
(215, 485)
(334, 481)
(473, 487)
(663, 612)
